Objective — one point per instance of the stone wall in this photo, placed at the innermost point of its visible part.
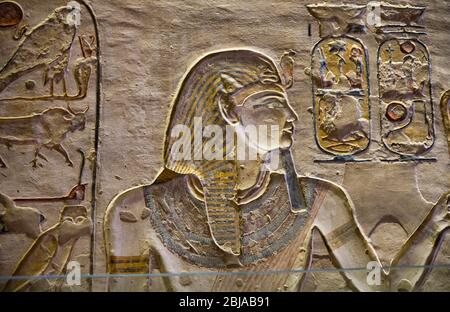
(125, 62)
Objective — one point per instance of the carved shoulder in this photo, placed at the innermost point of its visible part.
(124, 204)
(310, 184)
(327, 197)
(130, 205)
(126, 225)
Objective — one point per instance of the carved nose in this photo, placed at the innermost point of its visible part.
(292, 115)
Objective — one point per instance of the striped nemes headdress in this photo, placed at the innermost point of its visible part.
(213, 79)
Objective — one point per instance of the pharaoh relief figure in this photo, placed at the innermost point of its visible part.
(217, 217)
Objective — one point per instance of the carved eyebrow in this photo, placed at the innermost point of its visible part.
(270, 99)
(263, 93)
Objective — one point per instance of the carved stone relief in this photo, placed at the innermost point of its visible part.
(445, 111)
(356, 171)
(404, 77)
(213, 223)
(48, 131)
(51, 251)
(341, 95)
(405, 97)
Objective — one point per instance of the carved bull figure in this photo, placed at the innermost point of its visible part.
(47, 129)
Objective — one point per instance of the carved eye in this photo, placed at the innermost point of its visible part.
(271, 105)
(79, 219)
(67, 218)
(270, 102)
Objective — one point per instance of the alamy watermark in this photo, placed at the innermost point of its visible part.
(374, 273)
(374, 13)
(73, 273)
(213, 142)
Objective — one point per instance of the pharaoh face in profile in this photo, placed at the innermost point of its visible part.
(230, 213)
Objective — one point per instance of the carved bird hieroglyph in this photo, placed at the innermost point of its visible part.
(46, 46)
(51, 252)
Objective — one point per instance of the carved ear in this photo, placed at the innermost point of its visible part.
(287, 68)
(230, 84)
(227, 109)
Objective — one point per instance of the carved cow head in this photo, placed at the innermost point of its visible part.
(77, 119)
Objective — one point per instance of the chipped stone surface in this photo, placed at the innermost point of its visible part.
(145, 49)
(127, 216)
